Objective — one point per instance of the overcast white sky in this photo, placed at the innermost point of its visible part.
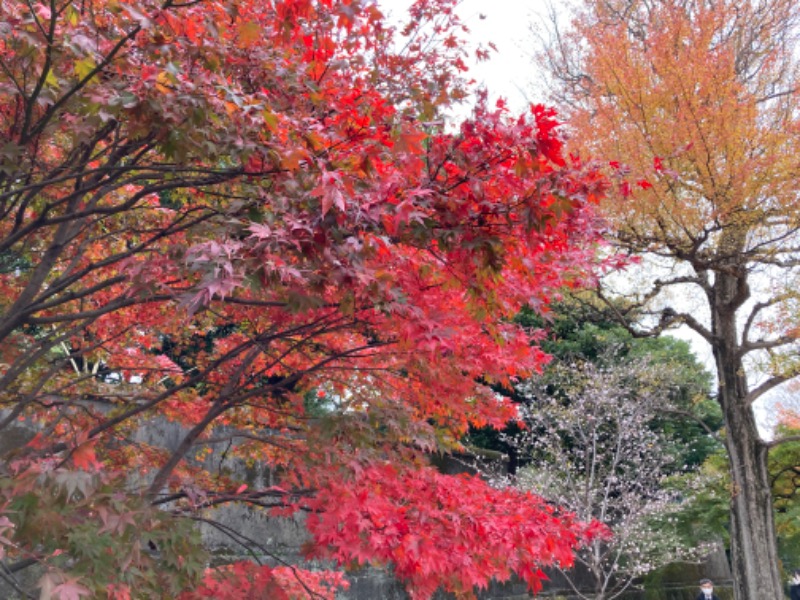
(506, 23)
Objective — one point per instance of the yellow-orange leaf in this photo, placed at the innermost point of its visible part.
(249, 34)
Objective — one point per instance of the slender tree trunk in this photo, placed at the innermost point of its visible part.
(754, 560)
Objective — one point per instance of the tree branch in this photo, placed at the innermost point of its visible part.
(766, 386)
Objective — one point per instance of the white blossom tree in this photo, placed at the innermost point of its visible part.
(595, 450)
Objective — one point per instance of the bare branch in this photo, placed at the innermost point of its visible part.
(766, 386)
(782, 440)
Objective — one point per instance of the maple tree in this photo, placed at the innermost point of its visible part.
(694, 107)
(220, 213)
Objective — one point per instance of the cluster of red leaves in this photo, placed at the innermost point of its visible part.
(456, 532)
(247, 581)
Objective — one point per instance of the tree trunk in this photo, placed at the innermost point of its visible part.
(754, 559)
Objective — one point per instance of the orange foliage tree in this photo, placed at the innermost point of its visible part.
(223, 213)
(695, 106)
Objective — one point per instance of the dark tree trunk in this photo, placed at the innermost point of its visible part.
(754, 558)
(753, 541)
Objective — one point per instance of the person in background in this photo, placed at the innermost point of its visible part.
(707, 590)
(794, 585)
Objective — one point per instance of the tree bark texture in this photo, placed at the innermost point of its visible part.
(754, 559)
